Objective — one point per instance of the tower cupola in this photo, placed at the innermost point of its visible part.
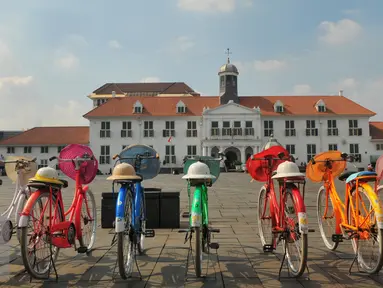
(228, 81)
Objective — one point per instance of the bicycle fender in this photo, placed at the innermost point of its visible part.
(375, 202)
(301, 210)
(120, 210)
(23, 221)
(85, 188)
(196, 209)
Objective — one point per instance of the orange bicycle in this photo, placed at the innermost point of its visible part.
(359, 218)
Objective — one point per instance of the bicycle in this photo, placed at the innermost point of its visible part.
(201, 173)
(285, 221)
(78, 163)
(130, 221)
(352, 219)
(18, 169)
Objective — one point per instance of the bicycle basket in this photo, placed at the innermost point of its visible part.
(211, 162)
(149, 167)
(25, 175)
(317, 172)
(379, 168)
(259, 169)
(88, 170)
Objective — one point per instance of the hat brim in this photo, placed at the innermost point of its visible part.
(124, 177)
(50, 181)
(288, 175)
(204, 176)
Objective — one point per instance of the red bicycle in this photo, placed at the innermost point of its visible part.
(285, 221)
(44, 228)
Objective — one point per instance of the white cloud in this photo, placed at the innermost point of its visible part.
(222, 6)
(341, 32)
(269, 65)
(76, 41)
(150, 80)
(184, 43)
(302, 89)
(114, 44)
(15, 80)
(351, 11)
(67, 61)
(66, 113)
(5, 52)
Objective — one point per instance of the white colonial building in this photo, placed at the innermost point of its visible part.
(178, 122)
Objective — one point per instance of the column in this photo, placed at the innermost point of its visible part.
(243, 156)
(208, 151)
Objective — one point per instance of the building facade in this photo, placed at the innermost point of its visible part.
(177, 122)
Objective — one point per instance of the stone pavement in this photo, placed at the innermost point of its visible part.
(239, 262)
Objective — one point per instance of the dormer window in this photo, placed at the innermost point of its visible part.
(137, 108)
(181, 108)
(320, 106)
(278, 107)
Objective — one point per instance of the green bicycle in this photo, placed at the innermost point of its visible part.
(201, 172)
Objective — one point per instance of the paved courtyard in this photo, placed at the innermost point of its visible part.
(239, 262)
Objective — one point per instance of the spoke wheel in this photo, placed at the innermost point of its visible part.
(125, 243)
(369, 245)
(88, 221)
(34, 240)
(327, 223)
(265, 223)
(141, 235)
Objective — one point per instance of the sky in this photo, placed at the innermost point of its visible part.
(55, 53)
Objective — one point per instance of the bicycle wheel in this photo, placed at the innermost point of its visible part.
(326, 226)
(198, 251)
(369, 245)
(125, 242)
(88, 221)
(141, 234)
(19, 208)
(38, 267)
(265, 223)
(297, 243)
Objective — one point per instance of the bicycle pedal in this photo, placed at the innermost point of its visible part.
(337, 238)
(183, 230)
(311, 230)
(82, 250)
(214, 246)
(185, 215)
(150, 233)
(214, 230)
(268, 248)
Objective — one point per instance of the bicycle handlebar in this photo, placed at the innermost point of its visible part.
(281, 156)
(21, 161)
(138, 156)
(70, 160)
(344, 157)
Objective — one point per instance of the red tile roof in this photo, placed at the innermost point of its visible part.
(376, 130)
(50, 136)
(153, 106)
(160, 87)
(166, 106)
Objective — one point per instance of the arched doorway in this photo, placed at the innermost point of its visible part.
(248, 152)
(233, 156)
(214, 152)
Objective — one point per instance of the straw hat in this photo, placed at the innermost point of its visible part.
(124, 171)
(25, 173)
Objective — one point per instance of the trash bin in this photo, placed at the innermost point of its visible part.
(170, 209)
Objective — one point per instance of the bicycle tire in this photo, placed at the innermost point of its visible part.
(24, 241)
(262, 233)
(23, 198)
(94, 223)
(198, 252)
(362, 263)
(125, 269)
(141, 235)
(304, 244)
(331, 245)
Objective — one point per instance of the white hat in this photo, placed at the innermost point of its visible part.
(288, 169)
(198, 170)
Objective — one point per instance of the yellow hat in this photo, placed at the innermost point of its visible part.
(124, 171)
(47, 175)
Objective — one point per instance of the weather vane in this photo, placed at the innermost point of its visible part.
(228, 54)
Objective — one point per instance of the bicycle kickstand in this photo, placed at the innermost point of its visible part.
(283, 259)
(190, 253)
(52, 263)
(135, 260)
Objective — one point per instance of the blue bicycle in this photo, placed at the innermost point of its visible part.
(130, 223)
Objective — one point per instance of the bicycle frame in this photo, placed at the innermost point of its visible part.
(199, 207)
(137, 194)
(74, 212)
(19, 190)
(340, 207)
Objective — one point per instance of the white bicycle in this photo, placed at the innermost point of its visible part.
(19, 170)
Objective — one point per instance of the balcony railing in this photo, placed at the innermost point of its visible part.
(355, 132)
(225, 133)
(332, 132)
(191, 133)
(290, 132)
